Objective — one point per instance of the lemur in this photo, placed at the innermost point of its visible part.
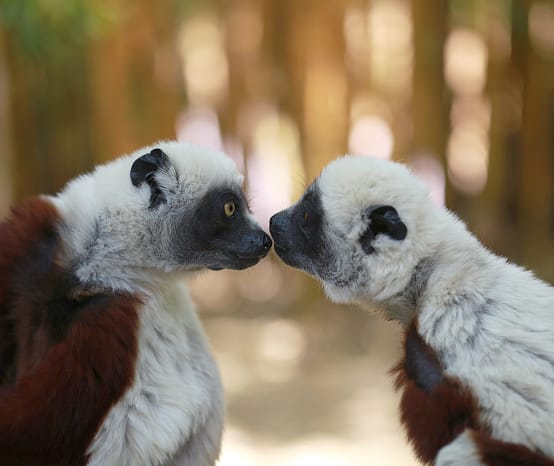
(103, 360)
(477, 377)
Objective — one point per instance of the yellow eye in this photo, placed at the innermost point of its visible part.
(229, 208)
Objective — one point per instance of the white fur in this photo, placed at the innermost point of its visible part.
(491, 322)
(126, 258)
(350, 185)
(176, 396)
(173, 412)
(461, 452)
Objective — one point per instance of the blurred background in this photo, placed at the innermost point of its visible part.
(461, 90)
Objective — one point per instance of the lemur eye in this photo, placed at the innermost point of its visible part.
(229, 208)
(305, 216)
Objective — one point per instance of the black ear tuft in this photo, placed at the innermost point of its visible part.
(144, 169)
(146, 166)
(383, 219)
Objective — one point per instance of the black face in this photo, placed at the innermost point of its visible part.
(224, 235)
(299, 237)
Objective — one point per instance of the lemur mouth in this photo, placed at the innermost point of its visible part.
(243, 262)
(239, 262)
(248, 263)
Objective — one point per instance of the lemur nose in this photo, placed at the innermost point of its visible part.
(266, 242)
(276, 223)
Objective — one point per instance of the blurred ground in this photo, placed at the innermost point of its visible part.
(304, 385)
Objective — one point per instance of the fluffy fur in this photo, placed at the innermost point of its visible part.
(488, 324)
(103, 359)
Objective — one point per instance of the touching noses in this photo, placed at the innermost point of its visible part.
(266, 241)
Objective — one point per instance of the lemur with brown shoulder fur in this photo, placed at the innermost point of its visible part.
(477, 379)
(103, 360)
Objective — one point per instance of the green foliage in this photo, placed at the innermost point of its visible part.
(53, 29)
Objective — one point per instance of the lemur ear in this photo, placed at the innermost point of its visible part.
(382, 219)
(144, 169)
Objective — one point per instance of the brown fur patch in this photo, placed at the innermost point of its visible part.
(434, 409)
(70, 357)
(496, 453)
(25, 227)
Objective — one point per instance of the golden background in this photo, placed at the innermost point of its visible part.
(462, 90)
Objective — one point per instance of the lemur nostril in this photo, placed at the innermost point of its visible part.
(266, 242)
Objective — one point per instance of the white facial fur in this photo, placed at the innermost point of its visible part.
(112, 238)
(350, 185)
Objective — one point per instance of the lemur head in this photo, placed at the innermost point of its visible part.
(361, 228)
(165, 208)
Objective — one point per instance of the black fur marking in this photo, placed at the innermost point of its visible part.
(299, 235)
(145, 168)
(421, 364)
(483, 311)
(461, 300)
(383, 219)
(7, 355)
(418, 282)
(210, 238)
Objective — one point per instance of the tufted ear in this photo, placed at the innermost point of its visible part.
(145, 168)
(382, 219)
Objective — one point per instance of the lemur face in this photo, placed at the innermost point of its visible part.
(203, 217)
(356, 228)
(170, 207)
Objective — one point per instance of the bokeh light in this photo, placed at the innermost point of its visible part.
(468, 158)
(199, 125)
(355, 31)
(274, 166)
(428, 168)
(202, 49)
(465, 61)
(371, 135)
(391, 53)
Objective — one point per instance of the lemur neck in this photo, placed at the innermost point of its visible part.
(403, 307)
(451, 269)
(104, 262)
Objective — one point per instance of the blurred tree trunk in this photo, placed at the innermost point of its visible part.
(137, 93)
(319, 84)
(109, 63)
(250, 62)
(537, 162)
(494, 210)
(5, 133)
(430, 98)
(50, 120)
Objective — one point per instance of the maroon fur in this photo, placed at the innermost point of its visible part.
(66, 357)
(433, 408)
(496, 453)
